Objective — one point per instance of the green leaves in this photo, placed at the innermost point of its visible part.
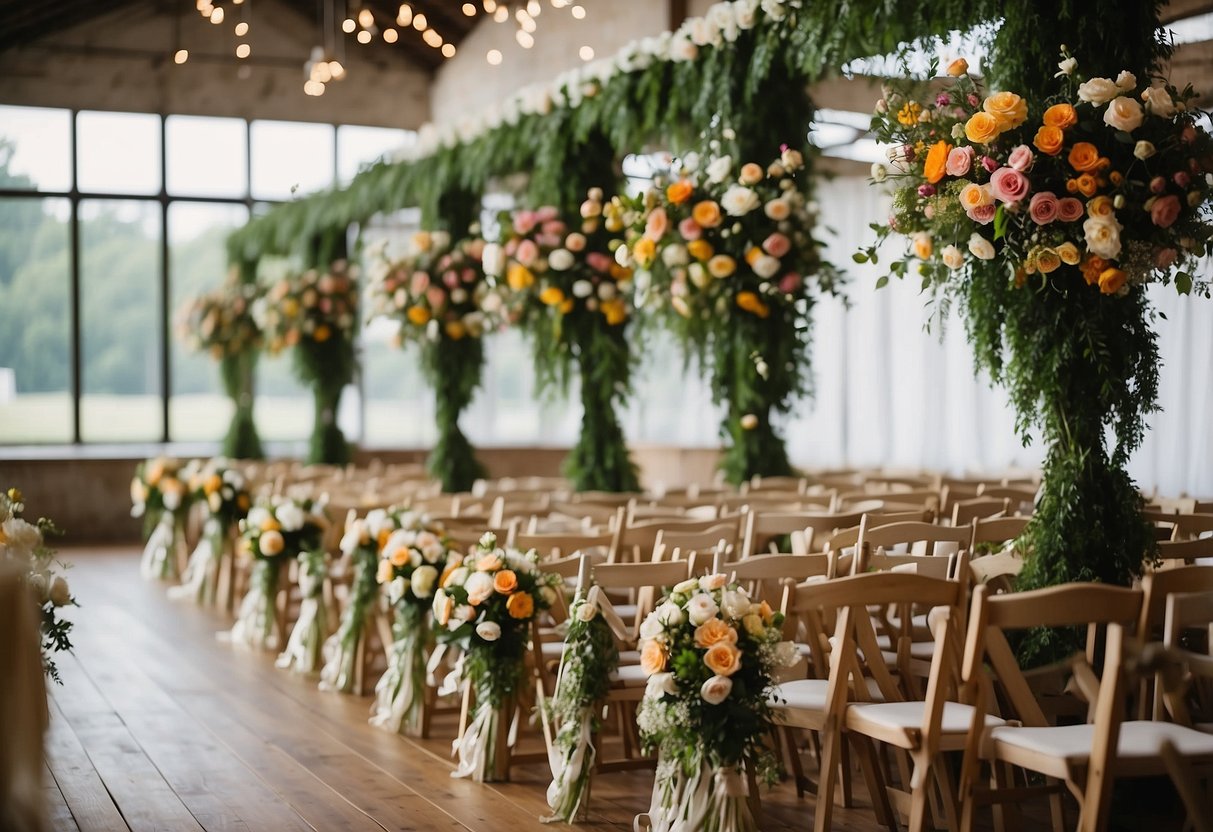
(1183, 283)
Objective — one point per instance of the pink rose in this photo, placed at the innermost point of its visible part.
(546, 213)
(326, 304)
(469, 276)
(1181, 178)
(548, 240)
(790, 282)
(656, 225)
(1165, 211)
(1164, 258)
(777, 245)
(527, 253)
(960, 160)
(973, 99)
(524, 221)
(554, 227)
(1158, 185)
(1021, 158)
(419, 283)
(1009, 185)
(926, 190)
(983, 214)
(598, 261)
(450, 278)
(689, 229)
(1043, 207)
(1069, 209)
(989, 163)
(436, 297)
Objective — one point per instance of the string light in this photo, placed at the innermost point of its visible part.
(364, 37)
(578, 12)
(390, 35)
(524, 39)
(586, 53)
(243, 50)
(181, 56)
(469, 10)
(493, 57)
(366, 19)
(419, 22)
(448, 50)
(217, 15)
(432, 38)
(241, 29)
(405, 16)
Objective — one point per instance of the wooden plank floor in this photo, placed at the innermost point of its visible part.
(160, 726)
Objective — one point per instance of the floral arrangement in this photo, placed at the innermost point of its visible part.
(223, 493)
(1107, 183)
(486, 605)
(304, 651)
(590, 658)
(160, 495)
(411, 556)
(316, 315)
(275, 530)
(24, 544)
(439, 294)
(709, 653)
(564, 287)
(730, 262)
(221, 323)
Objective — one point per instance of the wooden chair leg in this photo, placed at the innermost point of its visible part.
(803, 783)
(870, 768)
(1007, 814)
(831, 738)
(848, 798)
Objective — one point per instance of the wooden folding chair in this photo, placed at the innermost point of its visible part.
(1159, 587)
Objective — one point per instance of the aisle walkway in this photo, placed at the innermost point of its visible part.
(158, 726)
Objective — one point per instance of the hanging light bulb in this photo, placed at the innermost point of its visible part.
(493, 56)
(243, 51)
(419, 22)
(366, 19)
(469, 10)
(405, 16)
(390, 35)
(348, 25)
(336, 70)
(241, 29)
(181, 56)
(364, 36)
(217, 15)
(448, 50)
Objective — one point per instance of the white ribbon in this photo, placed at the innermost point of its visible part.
(201, 574)
(302, 653)
(158, 560)
(710, 800)
(398, 689)
(475, 749)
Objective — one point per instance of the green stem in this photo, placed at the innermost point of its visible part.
(453, 367)
(599, 461)
(237, 371)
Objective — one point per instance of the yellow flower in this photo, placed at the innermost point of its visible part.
(644, 251)
(1008, 108)
(982, 128)
(1110, 281)
(418, 315)
(551, 296)
(455, 330)
(908, 114)
(1100, 206)
(1047, 260)
(519, 277)
(615, 311)
(1086, 184)
(700, 249)
(1068, 252)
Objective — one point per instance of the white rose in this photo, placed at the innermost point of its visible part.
(722, 18)
(1102, 235)
(739, 200)
(479, 587)
(710, 582)
(622, 256)
(1143, 150)
(765, 266)
(879, 172)
(745, 12)
(661, 684)
(457, 577)
(20, 536)
(424, 578)
(60, 595)
(774, 9)
(588, 611)
(736, 604)
(257, 516)
(701, 608)
(172, 500)
(699, 275)
(689, 585)
(690, 162)
(561, 259)
(651, 627)
(675, 255)
(786, 653)
(352, 538)
(291, 517)
(493, 260)
(1126, 80)
(981, 248)
(1098, 91)
(669, 614)
(582, 289)
(397, 588)
(716, 689)
(952, 257)
(488, 630)
(463, 612)
(491, 303)
(1067, 67)
(719, 169)
(1123, 114)
(1158, 102)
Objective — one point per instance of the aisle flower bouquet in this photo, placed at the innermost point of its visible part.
(730, 262)
(224, 496)
(1107, 183)
(710, 654)
(411, 555)
(590, 658)
(439, 294)
(564, 287)
(23, 544)
(305, 646)
(486, 605)
(316, 315)
(161, 496)
(275, 530)
(221, 323)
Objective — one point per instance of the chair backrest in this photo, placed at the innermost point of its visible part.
(1069, 605)
(592, 513)
(966, 511)
(997, 530)
(696, 541)
(849, 536)
(1158, 585)
(766, 576)
(565, 544)
(1189, 526)
(638, 540)
(23, 709)
(1185, 611)
(647, 579)
(1015, 493)
(761, 528)
(1186, 551)
(794, 485)
(911, 534)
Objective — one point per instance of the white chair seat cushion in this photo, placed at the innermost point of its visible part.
(810, 694)
(1139, 740)
(626, 611)
(957, 718)
(630, 676)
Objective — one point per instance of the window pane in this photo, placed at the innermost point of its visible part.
(291, 158)
(206, 156)
(120, 303)
(35, 321)
(118, 153)
(35, 148)
(358, 146)
(198, 410)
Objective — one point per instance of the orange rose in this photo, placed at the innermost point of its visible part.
(1110, 281)
(1048, 140)
(418, 315)
(723, 659)
(384, 534)
(443, 609)
(615, 311)
(1084, 156)
(455, 330)
(551, 296)
(706, 213)
(679, 192)
(700, 249)
(518, 277)
(982, 128)
(505, 581)
(652, 657)
(644, 251)
(520, 605)
(400, 556)
(714, 631)
(213, 483)
(1060, 116)
(385, 572)
(768, 614)
(1008, 108)
(321, 333)
(451, 565)
(937, 160)
(270, 524)
(1092, 268)
(1086, 184)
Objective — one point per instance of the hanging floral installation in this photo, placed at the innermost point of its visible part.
(23, 546)
(1044, 221)
(710, 654)
(414, 557)
(486, 606)
(223, 494)
(315, 315)
(729, 261)
(440, 297)
(159, 494)
(276, 530)
(564, 288)
(221, 323)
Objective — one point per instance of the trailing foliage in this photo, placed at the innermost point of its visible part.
(453, 368)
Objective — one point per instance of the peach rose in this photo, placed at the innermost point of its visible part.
(679, 192)
(716, 690)
(520, 605)
(1008, 108)
(1111, 280)
(700, 249)
(923, 245)
(1069, 254)
(1165, 211)
(400, 556)
(505, 581)
(974, 196)
(653, 657)
(706, 214)
(982, 128)
(1060, 116)
(385, 572)
(960, 161)
(272, 543)
(1123, 114)
(1047, 260)
(751, 174)
(489, 562)
(714, 631)
(1100, 206)
(1048, 140)
(657, 223)
(723, 659)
